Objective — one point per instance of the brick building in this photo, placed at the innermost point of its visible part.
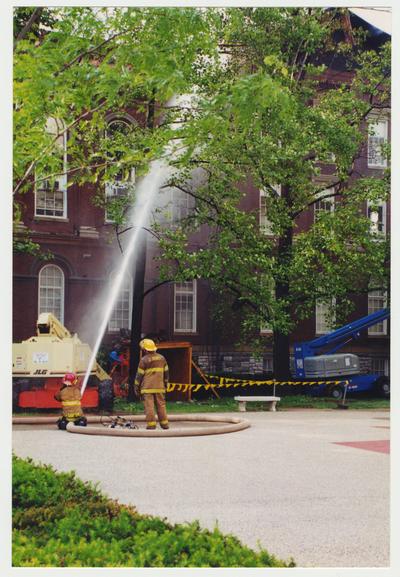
(85, 256)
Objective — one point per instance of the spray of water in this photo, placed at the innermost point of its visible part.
(146, 192)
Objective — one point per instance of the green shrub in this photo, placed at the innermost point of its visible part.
(60, 521)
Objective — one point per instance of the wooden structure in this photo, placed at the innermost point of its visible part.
(179, 358)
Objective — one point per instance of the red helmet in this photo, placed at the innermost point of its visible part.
(70, 379)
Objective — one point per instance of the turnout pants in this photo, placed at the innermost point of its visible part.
(157, 399)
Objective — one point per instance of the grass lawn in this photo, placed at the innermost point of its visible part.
(229, 405)
(214, 405)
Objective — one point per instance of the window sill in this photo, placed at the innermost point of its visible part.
(187, 333)
(377, 335)
(50, 218)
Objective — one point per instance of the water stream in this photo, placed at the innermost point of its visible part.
(146, 193)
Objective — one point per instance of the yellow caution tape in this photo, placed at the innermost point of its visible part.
(184, 387)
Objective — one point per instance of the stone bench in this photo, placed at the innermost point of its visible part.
(270, 401)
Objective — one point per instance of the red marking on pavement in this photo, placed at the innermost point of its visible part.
(380, 427)
(378, 446)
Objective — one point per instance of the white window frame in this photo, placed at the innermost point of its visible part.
(375, 222)
(265, 225)
(178, 290)
(62, 292)
(124, 288)
(61, 180)
(171, 202)
(379, 329)
(321, 325)
(118, 188)
(180, 200)
(162, 212)
(374, 122)
(383, 365)
(318, 208)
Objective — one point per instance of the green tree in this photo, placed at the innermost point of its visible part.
(76, 65)
(267, 115)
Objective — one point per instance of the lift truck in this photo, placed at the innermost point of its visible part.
(317, 360)
(40, 362)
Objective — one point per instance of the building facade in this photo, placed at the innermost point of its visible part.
(74, 281)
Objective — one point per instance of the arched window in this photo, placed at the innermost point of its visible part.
(121, 315)
(51, 291)
(117, 131)
(51, 193)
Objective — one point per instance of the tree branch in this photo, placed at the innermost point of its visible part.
(318, 198)
(194, 195)
(28, 26)
(54, 140)
(151, 289)
(82, 55)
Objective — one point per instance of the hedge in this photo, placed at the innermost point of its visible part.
(61, 521)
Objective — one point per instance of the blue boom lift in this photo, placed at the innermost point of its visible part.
(317, 360)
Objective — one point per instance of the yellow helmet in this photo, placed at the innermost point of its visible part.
(148, 345)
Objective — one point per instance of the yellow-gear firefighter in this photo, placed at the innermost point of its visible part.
(70, 397)
(151, 382)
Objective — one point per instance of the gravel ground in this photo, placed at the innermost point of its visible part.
(283, 483)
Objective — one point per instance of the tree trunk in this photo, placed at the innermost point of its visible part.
(138, 287)
(137, 312)
(281, 348)
(281, 357)
(35, 16)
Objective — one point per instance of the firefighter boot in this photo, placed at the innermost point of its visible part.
(62, 423)
(81, 422)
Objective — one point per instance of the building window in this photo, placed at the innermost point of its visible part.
(377, 138)
(377, 300)
(324, 322)
(122, 313)
(380, 367)
(121, 185)
(174, 205)
(326, 204)
(377, 215)
(265, 223)
(185, 298)
(268, 365)
(51, 291)
(182, 205)
(51, 193)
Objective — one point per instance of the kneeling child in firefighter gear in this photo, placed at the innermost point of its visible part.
(151, 382)
(70, 397)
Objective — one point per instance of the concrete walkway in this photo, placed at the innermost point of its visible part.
(284, 483)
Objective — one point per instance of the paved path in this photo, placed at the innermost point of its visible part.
(288, 482)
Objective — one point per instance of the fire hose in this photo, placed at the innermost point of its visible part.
(218, 425)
